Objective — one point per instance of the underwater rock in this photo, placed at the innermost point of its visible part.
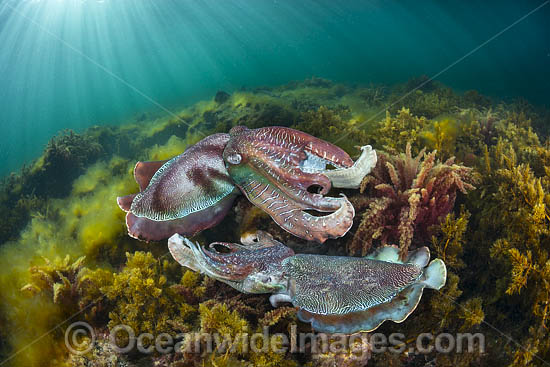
(221, 96)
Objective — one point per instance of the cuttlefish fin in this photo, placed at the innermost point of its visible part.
(390, 253)
(125, 202)
(387, 253)
(435, 275)
(146, 229)
(144, 171)
(397, 310)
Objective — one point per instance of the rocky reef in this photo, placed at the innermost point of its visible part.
(463, 174)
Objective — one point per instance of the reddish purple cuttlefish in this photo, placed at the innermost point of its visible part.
(276, 168)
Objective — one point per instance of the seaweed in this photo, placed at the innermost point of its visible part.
(426, 98)
(522, 244)
(216, 318)
(143, 300)
(331, 124)
(66, 155)
(448, 243)
(70, 285)
(394, 133)
(441, 135)
(252, 110)
(430, 98)
(354, 354)
(406, 197)
(103, 354)
(373, 96)
(275, 316)
(61, 278)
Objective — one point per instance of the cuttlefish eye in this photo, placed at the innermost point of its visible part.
(234, 158)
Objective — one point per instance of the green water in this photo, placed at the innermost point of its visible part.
(70, 64)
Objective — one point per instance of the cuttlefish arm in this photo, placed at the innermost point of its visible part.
(186, 194)
(278, 169)
(252, 268)
(350, 178)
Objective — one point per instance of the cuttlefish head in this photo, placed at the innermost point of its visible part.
(251, 267)
(285, 173)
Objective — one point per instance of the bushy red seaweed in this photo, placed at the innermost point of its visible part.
(406, 196)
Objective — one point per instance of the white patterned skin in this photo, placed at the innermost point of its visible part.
(335, 285)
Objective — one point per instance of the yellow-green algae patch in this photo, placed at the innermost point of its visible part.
(84, 224)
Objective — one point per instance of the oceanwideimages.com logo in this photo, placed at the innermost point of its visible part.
(80, 338)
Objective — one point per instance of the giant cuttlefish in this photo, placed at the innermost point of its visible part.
(336, 294)
(277, 168)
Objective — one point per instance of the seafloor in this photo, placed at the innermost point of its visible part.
(65, 255)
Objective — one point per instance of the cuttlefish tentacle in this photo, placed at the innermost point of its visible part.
(275, 166)
(182, 253)
(260, 172)
(350, 178)
(192, 256)
(288, 207)
(250, 269)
